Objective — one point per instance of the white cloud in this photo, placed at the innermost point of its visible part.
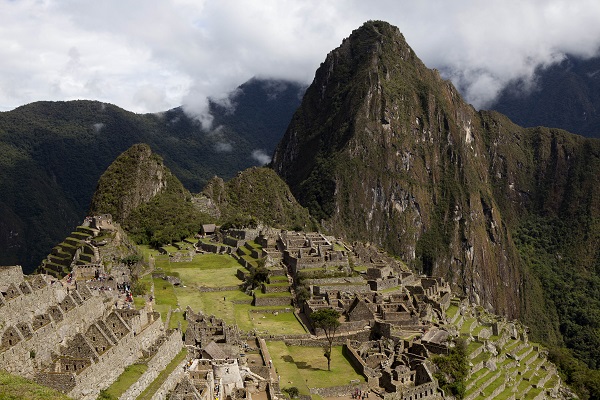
(159, 54)
(223, 147)
(261, 156)
(98, 126)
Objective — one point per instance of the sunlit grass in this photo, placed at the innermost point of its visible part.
(153, 387)
(282, 323)
(306, 367)
(131, 374)
(286, 368)
(312, 365)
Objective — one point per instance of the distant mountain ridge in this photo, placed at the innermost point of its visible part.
(565, 95)
(53, 153)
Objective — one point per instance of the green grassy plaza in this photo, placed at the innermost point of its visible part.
(305, 367)
(233, 306)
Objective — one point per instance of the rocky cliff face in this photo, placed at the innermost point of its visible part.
(383, 149)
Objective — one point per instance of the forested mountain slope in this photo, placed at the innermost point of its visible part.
(53, 153)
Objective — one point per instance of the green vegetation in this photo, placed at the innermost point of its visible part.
(291, 391)
(304, 367)
(328, 320)
(53, 153)
(547, 248)
(317, 373)
(258, 194)
(15, 388)
(453, 370)
(164, 374)
(142, 194)
(131, 374)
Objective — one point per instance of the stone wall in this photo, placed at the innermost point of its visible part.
(47, 338)
(360, 288)
(339, 391)
(272, 301)
(167, 351)
(25, 307)
(338, 340)
(382, 284)
(358, 364)
(425, 391)
(233, 242)
(112, 363)
(340, 280)
(10, 274)
(171, 381)
(275, 288)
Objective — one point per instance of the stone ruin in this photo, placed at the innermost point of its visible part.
(71, 338)
(385, 304)
(218, 367)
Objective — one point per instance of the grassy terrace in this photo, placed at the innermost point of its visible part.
(278, 279)
(131, 374)
(282, 323)
(164, 374)
(451, 311)
(14, 387)
(260, 294)
(479, 374)
(360, 268)
(473, 346)
(466, 326)
(511, 345)
(254, 245)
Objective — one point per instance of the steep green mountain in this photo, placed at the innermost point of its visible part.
(564, 95)
(257, 194)
(142, 195)
(384, 150)
(53, 153)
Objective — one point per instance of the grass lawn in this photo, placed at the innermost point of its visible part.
(451, 311)
(131, 374)
(282, 323)
(165, 297)
(176, 318)
(313, 366)
(286, 368)
(15, 387)
(258, 293)
(254, 245)
(219, 304)
(466, 327)
(170, 249)
(208, 277)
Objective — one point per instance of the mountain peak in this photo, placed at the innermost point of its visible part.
(134, 178)
(384, 149)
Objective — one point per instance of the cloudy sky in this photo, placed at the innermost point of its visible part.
(152, 55)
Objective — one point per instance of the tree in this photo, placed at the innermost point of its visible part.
(328, 320)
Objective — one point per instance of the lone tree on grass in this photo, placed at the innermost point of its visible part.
(328, 320)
